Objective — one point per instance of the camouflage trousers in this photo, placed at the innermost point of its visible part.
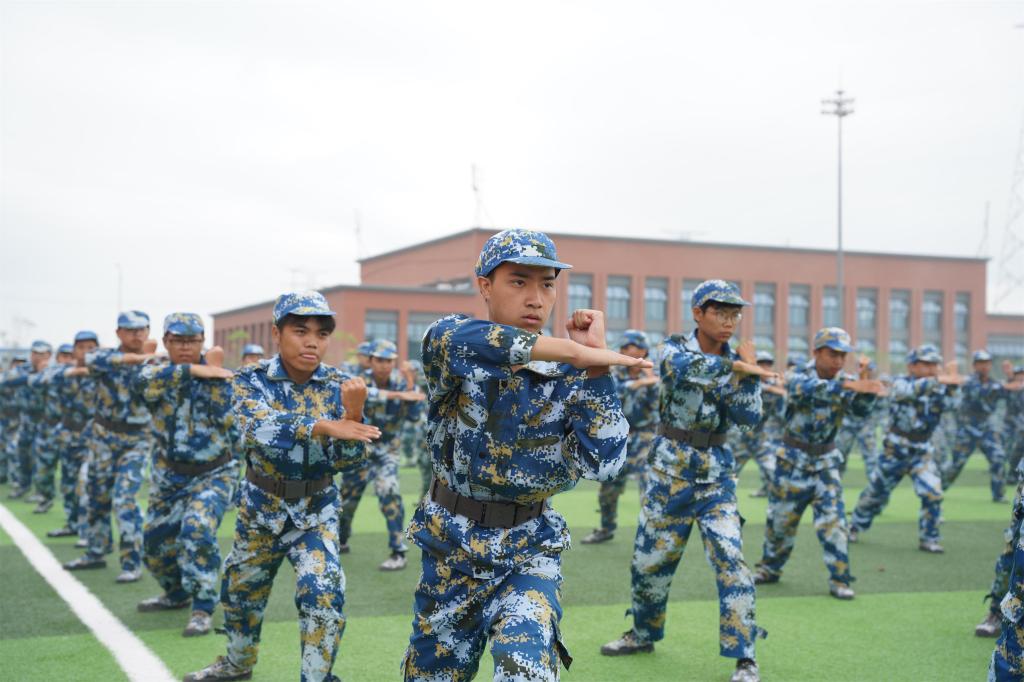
(1004, 562)
(969, 437)
(455, 614)
(180, 533)
(8, 446)
(249, 570)
(412, 441)
(866, 440)
(760, 447)
(380, 465)
(82, 492)
(115, 476)
(22, 463)
(1014, 440)
(1008, 657)
(638, 448)
(791, 492)
(896, 461)
(46, 448)
(72, 448)
(671, 506)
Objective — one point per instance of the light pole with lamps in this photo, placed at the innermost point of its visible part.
(840, 107)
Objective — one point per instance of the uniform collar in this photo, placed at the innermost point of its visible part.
(277, 372)
(691, 343)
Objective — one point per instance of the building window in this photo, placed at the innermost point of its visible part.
(799, 307)
(1005, 347)
(764, 307)
(899, 310)
(581, 292)
(656, 301)
(830, 307)
(798, 347)
(686, 304)
(865, 346)
(897, 355)
(764, 342)
(962, 314)
(381, 324)
(415, 328)
(867, 311)
(617, 298)
(931, 317)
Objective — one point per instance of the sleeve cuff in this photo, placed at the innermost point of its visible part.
(1012, 608)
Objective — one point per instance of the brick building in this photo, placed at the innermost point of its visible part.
(892, 301)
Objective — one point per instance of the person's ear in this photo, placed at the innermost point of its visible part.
(484, 284)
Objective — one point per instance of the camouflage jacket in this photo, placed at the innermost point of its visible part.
(499, 434)
(916, 405)
(700, 393)
(116, 397)
(640, 405)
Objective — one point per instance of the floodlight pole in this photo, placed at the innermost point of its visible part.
(840, 107)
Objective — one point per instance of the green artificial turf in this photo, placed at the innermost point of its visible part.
(912, 620)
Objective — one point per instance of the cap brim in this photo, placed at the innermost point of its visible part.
(729, 300)
(538, 261)
(836, 345)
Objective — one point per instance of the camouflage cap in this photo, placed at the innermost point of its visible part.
(525, 247)
(981, 356)
(303, 304)
(1018, 369)
(765, 356)
(717, 290)
(926, 352)
(416, 365)
(795, 359)
(40, 346)
(65, 348)
(252, 349)
(834, 338)
(384, 349)
(183, 324)
(86, 335)
(132, 319)
(635, 337)
(365, 348)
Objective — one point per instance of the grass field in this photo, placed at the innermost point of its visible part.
(913, 617)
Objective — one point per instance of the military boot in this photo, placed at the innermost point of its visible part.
(598, 536)
(626, 645)
(221, 669)
(991, 626)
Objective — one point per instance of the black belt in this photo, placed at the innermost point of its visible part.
(809, 448)
(486, 514)
(195, 469)
(51, 421)
(701, 440)
(73, 424)
(913, 437)
(288, 490)
(120, 427)
(10, 414)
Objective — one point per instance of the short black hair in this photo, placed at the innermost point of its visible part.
(326, 322)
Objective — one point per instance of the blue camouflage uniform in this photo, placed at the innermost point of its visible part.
(501, 436)
(761, 442)
(916, 406)
(381, 462)
(51, 433)
(640, 405)
(193, 476)
(276, 417)
(9, 418)
(861, 431)
(77, 398)
(352, 367)
(253, 349)
(30, 402)
(1007, 661)
(120, 444)
(1013, 437)
(692, 481)
(979, 398)
(807, 466)
(414, 435)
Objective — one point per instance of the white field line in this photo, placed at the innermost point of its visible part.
(139, 663)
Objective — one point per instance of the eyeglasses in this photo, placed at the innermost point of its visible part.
(725, 315)
(184, 342)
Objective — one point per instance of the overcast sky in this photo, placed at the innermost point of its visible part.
(219, 152)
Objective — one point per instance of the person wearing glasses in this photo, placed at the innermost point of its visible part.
(194, 472)
(808, 463)
(706, 387)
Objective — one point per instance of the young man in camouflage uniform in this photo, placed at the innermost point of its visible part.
(1007, 661)
(120, 444)
(1013, 432)
(638, 393)
(917, 403)
(9, 418)
(981, 393)
(761, 442)
(76, 393)
(861, 431)
(30, 404)
(252, 353)
(300, 421)
(194, 472)
(706, 387)
(808, 462)
(387, 408)
(50, 434)
(361, 364)
(515, 417)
